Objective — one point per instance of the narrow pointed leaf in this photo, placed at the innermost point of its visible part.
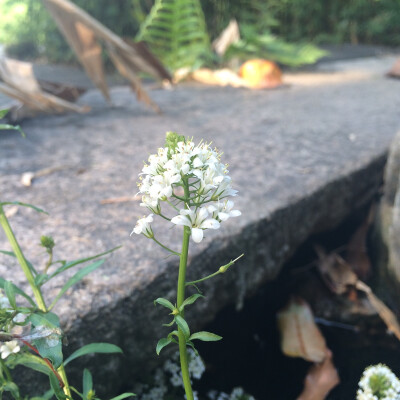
(164, 302)
(183, 326)
(4, 112)
(161, 344)
(123, 396)
(75, 279)
(10, 293)
(189, 343)
(104, 348)
(87, 383)
(170, 324)
(190, 300)
(18, 291)
(55, 385)
(18, 203)
(67, 265)
(205, 336)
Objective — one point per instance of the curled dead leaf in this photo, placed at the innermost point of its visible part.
(300, 336)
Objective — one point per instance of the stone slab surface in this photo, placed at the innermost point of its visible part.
(303, 158)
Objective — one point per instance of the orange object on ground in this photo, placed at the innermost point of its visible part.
(261, 74)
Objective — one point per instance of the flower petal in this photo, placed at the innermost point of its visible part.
(210, 224)
(181, 220)
(197, 235)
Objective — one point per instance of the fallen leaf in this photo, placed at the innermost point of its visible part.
(84, 34)
(395, 71)
(300, 336)
(320, 380)
(384, 312)
(335, 271)
(227, 37)
(357, 254)
(261, 74)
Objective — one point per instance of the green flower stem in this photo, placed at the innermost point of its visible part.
(21, 259)
(67, 389)
(165, 247)
(221, 270)
(180, 300)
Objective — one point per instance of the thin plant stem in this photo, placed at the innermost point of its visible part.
(180, 299)
(165, 247)
(22, 260)
(6, 370)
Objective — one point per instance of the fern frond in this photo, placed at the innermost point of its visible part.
(175, 30)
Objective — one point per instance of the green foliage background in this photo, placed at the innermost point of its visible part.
(28, 31)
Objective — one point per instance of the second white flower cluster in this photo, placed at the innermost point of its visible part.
(192, 181)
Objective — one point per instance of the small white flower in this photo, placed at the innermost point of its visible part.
(8, 348)
(143, 226)
(197, 221)
(223, 210)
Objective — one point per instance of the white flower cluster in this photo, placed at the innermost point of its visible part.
(378, 382)
(169, 375)
(237, 394)
(12, 346)
(193, 181)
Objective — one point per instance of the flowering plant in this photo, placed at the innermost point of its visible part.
(187, 185)
(378, 382)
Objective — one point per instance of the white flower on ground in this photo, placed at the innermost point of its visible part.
(143, 226)
(223, 210)
(8, 348)
(197, 221)
(378, 382)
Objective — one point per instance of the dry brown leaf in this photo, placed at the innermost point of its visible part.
(384, 312)
(20, 83)
(84, 34)
(300, 336)
(336, 272)
(395, 71)
(357, 254)
(227, 37)
(320, 380)
(219, 77)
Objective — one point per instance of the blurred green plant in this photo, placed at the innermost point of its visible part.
(176, 32)
(266, 45)
(30, 331)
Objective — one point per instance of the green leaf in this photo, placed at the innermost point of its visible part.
(189, 343)
(13, 389)
(67, 265)
(75, 279)
(162, 343)
(12, 254)
(205, 336)
(183, 326)
(18, 203)
(164, 302)
(18, 291)
(190, 300)
(170, 324)
(3, 112)
(45, 396)
(52, 352)
(87, 384)
(10, 293)
(33, 362)
(105, 348)
(123, 396)
(55, 385)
